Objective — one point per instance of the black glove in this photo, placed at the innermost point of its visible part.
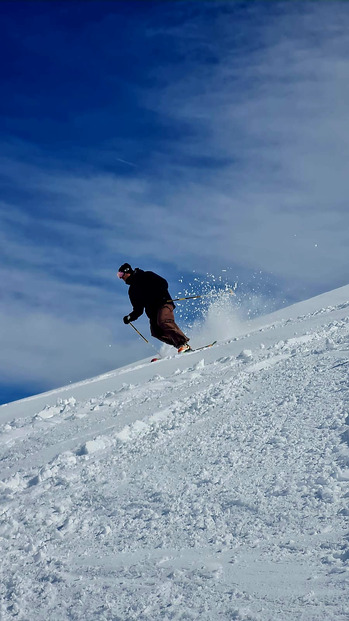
(127, 319)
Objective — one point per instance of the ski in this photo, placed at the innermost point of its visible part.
(203, 346)
(189, 351)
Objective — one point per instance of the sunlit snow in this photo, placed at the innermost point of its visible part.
(207, 486)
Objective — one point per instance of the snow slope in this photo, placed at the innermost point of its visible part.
(212, 485)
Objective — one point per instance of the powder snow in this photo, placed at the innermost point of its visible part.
(208, 486)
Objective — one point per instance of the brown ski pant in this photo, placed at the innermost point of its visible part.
(164, 328)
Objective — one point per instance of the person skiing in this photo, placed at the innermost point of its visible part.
(149, 292)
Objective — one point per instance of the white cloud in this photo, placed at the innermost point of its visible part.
(280, 119)
(257, 181)
(48, 350)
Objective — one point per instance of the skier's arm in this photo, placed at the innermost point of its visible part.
(138, 308)
(131, 317)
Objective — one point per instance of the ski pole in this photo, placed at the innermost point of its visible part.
(191, 297)
(203, 295)
(144, 339)
(141, 335)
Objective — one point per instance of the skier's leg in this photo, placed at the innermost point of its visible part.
(167, 329)
(153, 327)
(157, 332)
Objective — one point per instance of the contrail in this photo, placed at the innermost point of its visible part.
(126, 162)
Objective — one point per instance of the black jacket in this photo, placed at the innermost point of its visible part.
(148, 291)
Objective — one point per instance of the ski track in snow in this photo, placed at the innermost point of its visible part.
(212, 486)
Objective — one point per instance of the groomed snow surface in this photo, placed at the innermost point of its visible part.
(207, 486)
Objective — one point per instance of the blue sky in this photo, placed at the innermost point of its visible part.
(186, 137)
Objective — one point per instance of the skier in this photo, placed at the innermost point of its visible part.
(149, 291)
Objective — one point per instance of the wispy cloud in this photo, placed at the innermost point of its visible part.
(276, 116)
(240, 163)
